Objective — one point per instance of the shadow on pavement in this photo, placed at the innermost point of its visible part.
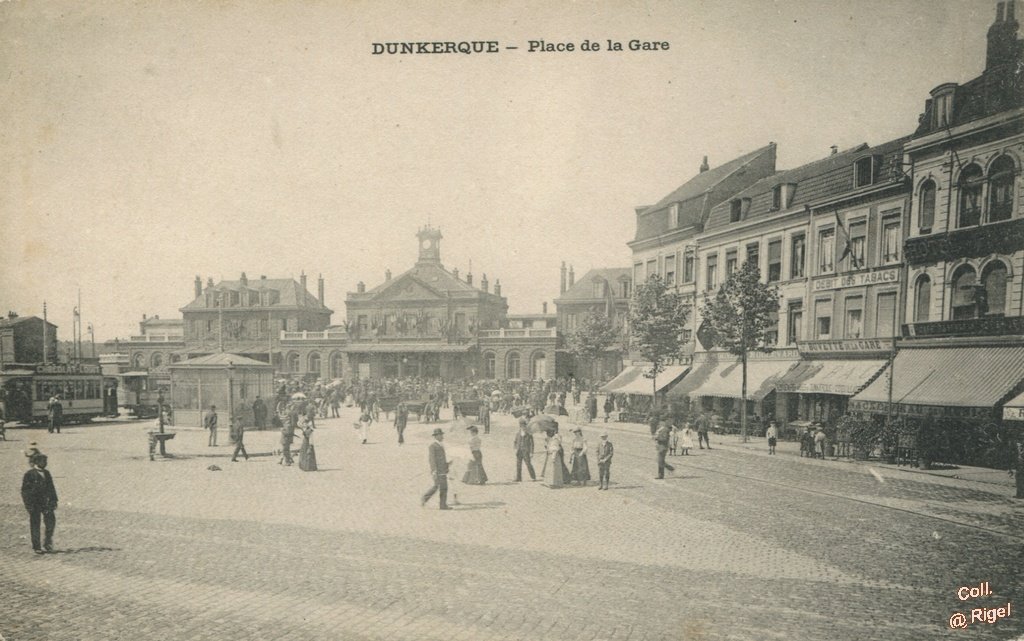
(488, 505)
(85, 549)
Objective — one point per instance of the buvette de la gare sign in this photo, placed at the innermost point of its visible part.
(468, 47)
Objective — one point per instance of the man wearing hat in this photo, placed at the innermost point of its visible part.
(438, 470)
(661, 438)
(772, 434)
(605, 451)
(40, 499)
(210, 423)
(524, 451)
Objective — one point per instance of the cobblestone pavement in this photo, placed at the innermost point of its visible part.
(734, 545)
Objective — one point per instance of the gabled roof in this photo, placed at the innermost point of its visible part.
(698, 195)
(432, 277)
(822, 179)
(220, 359)
(10, 322)
(291, 292)
(583, 289)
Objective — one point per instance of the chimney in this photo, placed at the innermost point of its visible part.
(361, 287)
(1002, 37)
(199, 287)
(387, 275)
(455, 272)
(302, 280)
(243, 280)
(572, 276)
(483, 283)
(469, 278)
(704, 165)
(497, 287)
(320, 289)
(544, 307)
(835, 150)
(209, 282)
(263, 279)
(561, 287)
(143, 317)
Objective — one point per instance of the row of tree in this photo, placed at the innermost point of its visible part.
(739, 318)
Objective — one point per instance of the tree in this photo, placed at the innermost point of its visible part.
(740, 318)
(595, 336)
(657, 318)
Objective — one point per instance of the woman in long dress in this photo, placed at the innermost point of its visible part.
(555, 473)
(580, 466)
(475, 474)
(307, 454)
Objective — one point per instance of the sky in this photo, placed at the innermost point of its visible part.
(146, 143)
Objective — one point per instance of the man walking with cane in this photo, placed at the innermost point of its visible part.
(438, 470)
(524, 451)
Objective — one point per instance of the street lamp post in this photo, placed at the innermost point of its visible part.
(231, 401)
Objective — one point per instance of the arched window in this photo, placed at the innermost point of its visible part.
(293, 362)
(964, 293)
(922, 298)
(538, 367)
(156, 360)
(313, 363)
(994, 292)
(138, 361)
(926, 214)
(512, 363)
(336, 366)
(1000, 192)
(970, 184)
(489, 367)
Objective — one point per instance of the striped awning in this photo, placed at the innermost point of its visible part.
(724, 378)
(841, 377)
(632, 380)
(960, 376)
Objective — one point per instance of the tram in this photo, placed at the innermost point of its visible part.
(139, 392)
(25, 391)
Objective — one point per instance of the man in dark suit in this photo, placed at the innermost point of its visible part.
(259, 413)
(605, 451)
(661, 438)
(210, 423)
(40, 499)
(401, 421)
(438, 470)
(524, 451)
(702, 430)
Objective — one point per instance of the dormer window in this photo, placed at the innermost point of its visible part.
(865, 170)
(942, 105)
(739, 209)
(782, 195)
(673, 215)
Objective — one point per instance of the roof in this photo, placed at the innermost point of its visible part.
(10, 322)
(583, 288)
(979, 376)
(822, 179)
(290, 291)
(433, 276)
(705, 190)
(220, 359)
(724, 378)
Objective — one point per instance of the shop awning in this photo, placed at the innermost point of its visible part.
(632, 380)
(724, 378)
(397, 348)
(1014, 410)
(952, 377)
(843, 377)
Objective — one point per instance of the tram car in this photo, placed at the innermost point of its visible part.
(25, 392)
(139, 392)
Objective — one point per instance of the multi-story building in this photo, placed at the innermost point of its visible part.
(963, 356)
(22, 340)
(603, 291)
(828, 234)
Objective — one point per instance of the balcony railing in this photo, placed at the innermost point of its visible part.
(986, 326)
(324, 335)
(158, 338)
(545, 332)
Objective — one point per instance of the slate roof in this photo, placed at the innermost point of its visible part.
(220, 359)
(10, 322)
(291, 292)
(691, 195)
(433, 276)
(822, 179)
(583, 288)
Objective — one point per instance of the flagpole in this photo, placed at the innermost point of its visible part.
(44, 331)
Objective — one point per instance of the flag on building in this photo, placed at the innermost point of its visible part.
(843, 240)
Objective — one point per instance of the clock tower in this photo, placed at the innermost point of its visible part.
(430, 245)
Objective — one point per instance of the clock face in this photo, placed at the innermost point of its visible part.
(426, 243)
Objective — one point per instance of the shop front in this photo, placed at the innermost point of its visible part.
(638, 390)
